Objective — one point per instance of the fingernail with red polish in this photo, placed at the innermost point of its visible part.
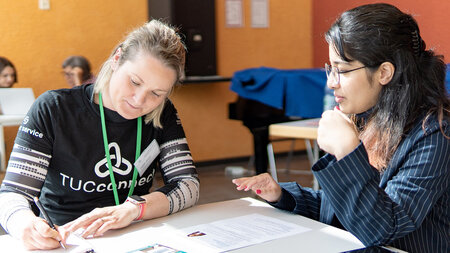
(338, 108)
(258, 191)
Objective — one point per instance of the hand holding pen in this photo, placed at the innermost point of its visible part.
(34, 232)
(47, 218)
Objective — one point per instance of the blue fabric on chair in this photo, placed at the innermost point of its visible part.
(299, 91)
(259, 84)
(304, 92)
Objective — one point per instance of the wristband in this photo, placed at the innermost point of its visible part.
(139, 201)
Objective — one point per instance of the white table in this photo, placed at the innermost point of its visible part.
(7, 120)
(300, 129)
(321, 237)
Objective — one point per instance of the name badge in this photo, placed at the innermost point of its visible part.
(147, 157)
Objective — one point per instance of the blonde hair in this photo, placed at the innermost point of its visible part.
(157, 39)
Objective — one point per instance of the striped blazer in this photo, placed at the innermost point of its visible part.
(407, 206)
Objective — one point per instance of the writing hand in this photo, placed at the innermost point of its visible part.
(34, 232)
(264, 185)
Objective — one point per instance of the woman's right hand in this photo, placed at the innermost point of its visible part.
(34, 232)
(337, 134)
(263, 185)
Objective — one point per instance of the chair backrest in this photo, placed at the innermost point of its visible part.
(15, 101)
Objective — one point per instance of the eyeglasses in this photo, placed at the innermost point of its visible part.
(67, 74)
(333, 73)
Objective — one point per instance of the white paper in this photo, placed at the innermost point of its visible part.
(233, 13)
(243, 231)
(77, 244)
(260, 13)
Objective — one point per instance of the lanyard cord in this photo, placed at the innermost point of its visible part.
(108, 157)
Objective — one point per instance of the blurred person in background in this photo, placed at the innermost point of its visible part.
(8, 73)
(77, 71)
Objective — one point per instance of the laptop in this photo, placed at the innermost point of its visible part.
(15, 101)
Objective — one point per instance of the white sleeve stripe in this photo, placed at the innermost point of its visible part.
(178, 170)
(20, 168)
(31, 158)
(174, 143)
(17, 146)
(20, 186)
(174, 154)
(185, 158)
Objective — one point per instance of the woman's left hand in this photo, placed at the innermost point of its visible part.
(337, 134)
(100, 220)
(263, 185)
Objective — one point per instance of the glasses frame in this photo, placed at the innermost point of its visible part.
(334, 72)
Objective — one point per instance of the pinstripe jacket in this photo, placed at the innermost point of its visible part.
(406, 206)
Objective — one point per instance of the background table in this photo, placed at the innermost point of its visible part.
(321, 237)
(7, 120)
(300, 129)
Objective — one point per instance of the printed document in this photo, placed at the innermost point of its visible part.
(243, 231)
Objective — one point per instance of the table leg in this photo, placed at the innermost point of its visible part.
(316, 158)
(260, 141)
(2, 150)
(313, 156)
(271, 156)
(309, 152)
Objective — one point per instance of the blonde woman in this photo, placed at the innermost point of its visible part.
(90, 153)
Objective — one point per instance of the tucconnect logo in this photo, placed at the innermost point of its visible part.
(121, 166)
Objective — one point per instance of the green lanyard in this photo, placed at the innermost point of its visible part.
(108, 157)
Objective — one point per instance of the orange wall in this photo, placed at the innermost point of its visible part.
(37, 41)
(432, 16)
(203, 108)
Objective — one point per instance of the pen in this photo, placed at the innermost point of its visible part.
(47, 218)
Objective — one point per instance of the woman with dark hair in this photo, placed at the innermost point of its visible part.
(386, 176)
(77, 71)
(8, 73)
